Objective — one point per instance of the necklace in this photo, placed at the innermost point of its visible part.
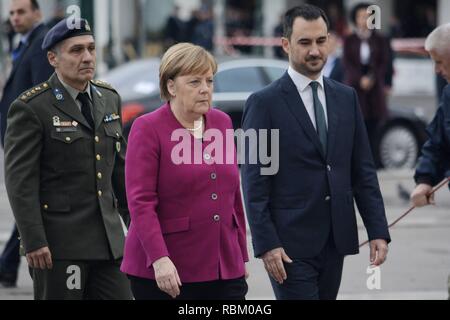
(198, 128)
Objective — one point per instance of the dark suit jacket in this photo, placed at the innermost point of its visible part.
(337, 74)
(65, 181)
(434, 163)
(30, 69)
(373, 102)
(311, 194)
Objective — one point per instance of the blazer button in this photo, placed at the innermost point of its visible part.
(213, 176)
(327, 199)
(216, 218)
(329, 168)
(214, 197)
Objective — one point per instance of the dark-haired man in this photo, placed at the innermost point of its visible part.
(30, 67)
(302, 218)
(64, 174)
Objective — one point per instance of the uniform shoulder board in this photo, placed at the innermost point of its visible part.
(34, 92)
(102, 84)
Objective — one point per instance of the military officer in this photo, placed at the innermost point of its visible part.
(64, 171)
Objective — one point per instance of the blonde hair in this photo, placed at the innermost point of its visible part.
(183, 59)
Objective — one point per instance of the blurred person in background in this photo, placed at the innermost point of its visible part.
(366, 60)
(334, 68)
(30, 67)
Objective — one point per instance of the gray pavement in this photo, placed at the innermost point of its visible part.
(417, 268)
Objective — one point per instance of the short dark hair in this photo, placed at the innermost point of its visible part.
(306, 11)
(35, 5)
(356, 8)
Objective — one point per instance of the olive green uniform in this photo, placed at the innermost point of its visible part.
(65, 183)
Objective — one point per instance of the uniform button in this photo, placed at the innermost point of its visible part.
(99, 175)
(100, 193)
(329, 168)
(216, 218)
(213, 176)
(68, 139)
(45, 207)
(214, 197)
(327, 198)
(97, 139)
(207, 157)
(98, 157)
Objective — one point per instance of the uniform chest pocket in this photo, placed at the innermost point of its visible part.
(69, 137)
(70, 149)
(113, 132)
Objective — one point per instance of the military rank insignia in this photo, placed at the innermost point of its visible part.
(111, 118)
(58, 94)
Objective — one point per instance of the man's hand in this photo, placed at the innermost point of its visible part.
(378, 252)
(273, 262)
(420, 196)
(166, 276)
(40, 259)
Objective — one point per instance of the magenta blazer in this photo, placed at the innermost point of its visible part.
(191, 213)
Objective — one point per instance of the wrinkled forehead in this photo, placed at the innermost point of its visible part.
(84, 41)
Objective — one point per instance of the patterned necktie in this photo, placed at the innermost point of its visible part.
(86, 108)
(321, 123)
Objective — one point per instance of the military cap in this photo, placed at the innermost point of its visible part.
(66, 29)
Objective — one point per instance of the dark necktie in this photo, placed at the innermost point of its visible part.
(86, 108)
(321, 123)
(17, 52)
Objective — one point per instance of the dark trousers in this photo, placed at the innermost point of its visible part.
(317, 278)
(81, 280)
(235, 289)
(10, 258)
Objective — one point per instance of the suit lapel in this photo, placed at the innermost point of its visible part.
(298, 109)
(99, 106)
(27, 45)
(332, 111)
(67, 105)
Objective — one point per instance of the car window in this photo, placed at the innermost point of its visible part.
(247, 79)
(135, 80)
(274, 73)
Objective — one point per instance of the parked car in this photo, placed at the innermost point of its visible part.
(137, 82)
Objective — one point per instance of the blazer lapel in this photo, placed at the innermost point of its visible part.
(333, 118)
(298, 109)
(16, 63)
(67, 105)
(99, 106)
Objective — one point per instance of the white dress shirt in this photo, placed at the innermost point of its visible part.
(304, 89)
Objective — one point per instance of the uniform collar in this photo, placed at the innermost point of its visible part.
(74, 92)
